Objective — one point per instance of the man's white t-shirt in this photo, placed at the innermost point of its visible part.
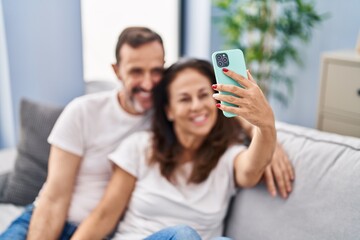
(156, 203)
(92, 126)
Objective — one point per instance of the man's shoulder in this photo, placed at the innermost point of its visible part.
(93, 100)
(97, 97)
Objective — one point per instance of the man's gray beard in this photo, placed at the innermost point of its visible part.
(136, 105)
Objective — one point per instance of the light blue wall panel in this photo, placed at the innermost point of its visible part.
(44, 50)
(7, 136)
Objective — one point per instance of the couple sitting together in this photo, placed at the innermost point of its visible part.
(168, 173)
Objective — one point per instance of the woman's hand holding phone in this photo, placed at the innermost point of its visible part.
(233, 59)
(239, 96)
(250, 102)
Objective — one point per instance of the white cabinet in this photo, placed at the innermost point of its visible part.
(339, 105)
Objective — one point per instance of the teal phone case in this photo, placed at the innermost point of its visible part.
(236, 63)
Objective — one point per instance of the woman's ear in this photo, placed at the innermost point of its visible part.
(169, 114)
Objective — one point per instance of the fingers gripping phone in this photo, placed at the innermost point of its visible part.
(234, 60)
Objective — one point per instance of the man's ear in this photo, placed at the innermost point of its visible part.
(116, 69)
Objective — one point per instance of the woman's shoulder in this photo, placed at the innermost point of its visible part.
(233, 151)
(133, 144)
(140, 138)
(139, 135)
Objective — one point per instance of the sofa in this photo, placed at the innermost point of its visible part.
(324, 203)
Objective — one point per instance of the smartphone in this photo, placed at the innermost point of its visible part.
(234, 60)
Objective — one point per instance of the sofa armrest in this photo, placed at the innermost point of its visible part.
(324, 203)
(7, 160)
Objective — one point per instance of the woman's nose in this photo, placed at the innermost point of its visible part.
(196, 104)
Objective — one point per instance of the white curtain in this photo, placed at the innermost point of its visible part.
(7, 131)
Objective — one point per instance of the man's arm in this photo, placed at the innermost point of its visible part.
(281, 171)
(52, 205)
(104, 217)
(280, 168)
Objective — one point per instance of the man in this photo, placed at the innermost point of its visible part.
(91, 127)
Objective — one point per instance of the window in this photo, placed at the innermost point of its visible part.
(102, 22)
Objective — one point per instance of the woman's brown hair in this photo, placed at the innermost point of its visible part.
(166, 148)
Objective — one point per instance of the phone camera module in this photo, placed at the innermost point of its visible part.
(222, 60)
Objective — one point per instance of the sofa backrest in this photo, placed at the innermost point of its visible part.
(325, 202)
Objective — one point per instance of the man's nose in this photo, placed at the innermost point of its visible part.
(147, 82)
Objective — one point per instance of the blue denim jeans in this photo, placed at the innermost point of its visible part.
(179, 232)
(175, 233)
(19, 227)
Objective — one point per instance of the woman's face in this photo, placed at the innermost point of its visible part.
(191, 107)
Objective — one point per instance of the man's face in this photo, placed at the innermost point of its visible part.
(140, 69)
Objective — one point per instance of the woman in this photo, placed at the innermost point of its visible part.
(187, 168)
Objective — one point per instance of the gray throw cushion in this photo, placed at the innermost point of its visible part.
(24, 183)
(3, 181)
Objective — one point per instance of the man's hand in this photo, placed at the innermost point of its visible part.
(281, 171)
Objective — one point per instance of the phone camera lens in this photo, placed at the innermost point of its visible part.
(222, 60)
